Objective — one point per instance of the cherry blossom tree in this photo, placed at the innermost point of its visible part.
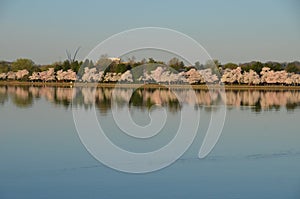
(68, 75)
(295, 79)
(3, 75)
(207, 76)
(112, 77)
(251, 78)
(126, 77)
(157, 74)
(146, 77)
(11, 75)
(91, 75)
(20, 74)
(193, 76)
(232, 75)
(47, 75)
(34, 76)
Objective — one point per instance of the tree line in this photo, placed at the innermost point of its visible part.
(108, 70)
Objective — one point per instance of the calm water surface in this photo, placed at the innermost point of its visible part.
(257, 155)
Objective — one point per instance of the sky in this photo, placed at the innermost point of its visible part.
(230, 31)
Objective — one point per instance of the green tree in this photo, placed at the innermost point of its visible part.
(103, 62)
(66, 65)
(4, 67)
(151, 61)
(213, 65)
(57, 66)
(87, 63)
(293, 67)
(255, 65)
(75, 66)
(176, 64)
(273, 66)
(21, 64)
(197, 65)
(230, 65)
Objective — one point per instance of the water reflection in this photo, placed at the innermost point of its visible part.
(256, 100)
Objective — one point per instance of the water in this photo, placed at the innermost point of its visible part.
(257, 155)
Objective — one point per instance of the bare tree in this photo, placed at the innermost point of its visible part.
(69, 55)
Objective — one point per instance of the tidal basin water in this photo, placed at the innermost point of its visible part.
(257, 155)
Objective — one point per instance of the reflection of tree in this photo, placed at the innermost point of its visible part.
(3, 95)
(137, 99)
(3, 98)
(22, 97)
(104, 102)
(173, 106)
(145, 98)
(63, 96)
(257, 107)
(78, 99)
(291, 106)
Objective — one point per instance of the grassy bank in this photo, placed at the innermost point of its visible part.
(112, 85)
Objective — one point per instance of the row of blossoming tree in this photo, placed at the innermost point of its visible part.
(194, 76)
(162, 75)
(44, 76)
(173, 73)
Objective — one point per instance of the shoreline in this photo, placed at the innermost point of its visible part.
(183, 86)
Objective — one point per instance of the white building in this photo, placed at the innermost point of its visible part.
(115, 59)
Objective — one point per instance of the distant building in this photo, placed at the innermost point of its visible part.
(115, 59)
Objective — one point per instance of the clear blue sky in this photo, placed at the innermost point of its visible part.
(236, 31)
